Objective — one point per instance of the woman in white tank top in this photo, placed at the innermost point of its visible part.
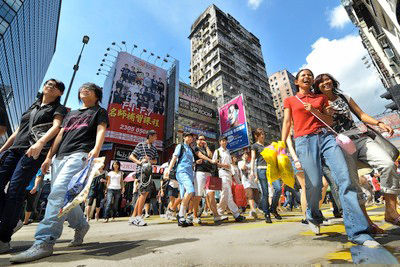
(115, 187)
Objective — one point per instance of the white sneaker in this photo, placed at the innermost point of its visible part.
(35, 252)
(131, 220)
(197, 220)
(220, 218)
(4, 247)
(79, 235)
(140, 221)
(315, 228)
(147, 216)
(372, 244)
(253, 214)
(18, 226)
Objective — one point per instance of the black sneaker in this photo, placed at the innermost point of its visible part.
(268, 218)
(181, 221)
(276, 215)
(337, 214)
(240, 218)
(304, 221)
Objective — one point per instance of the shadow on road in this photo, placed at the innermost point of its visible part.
(109, 250)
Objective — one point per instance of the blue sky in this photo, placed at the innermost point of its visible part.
(293, 33)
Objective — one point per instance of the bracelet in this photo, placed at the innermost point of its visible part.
(379, 122)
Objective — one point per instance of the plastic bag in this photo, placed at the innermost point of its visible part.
(270, 154)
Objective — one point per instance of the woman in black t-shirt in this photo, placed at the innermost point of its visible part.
(80, 139)
(258, 171)
(23, 153)
(96, 192)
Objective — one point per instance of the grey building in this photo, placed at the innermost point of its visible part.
(226, 60)
(282, 86)
(28, 34)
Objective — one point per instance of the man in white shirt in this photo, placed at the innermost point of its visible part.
(224, 159)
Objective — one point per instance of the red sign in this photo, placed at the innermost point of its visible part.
(137, 101)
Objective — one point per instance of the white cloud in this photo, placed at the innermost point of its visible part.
(342, 59)
(338, 17)
(254, 4)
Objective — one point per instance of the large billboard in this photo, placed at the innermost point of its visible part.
(137, 101)
(233, 124)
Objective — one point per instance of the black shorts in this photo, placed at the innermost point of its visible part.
(30, 200)
(144, 189)
(172, 192)
(98, 200)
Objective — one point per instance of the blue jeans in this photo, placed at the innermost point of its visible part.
(277, 185)
(50, 228)
(116, 194)
(311, 150)
(185, 181)
(19, 170)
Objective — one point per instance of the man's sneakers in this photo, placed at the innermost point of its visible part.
(181, 221)
(4, 247)
(268, 218)
(220, 218)
(315, 228)
(276, 215)
(372, 244)
(138, 221)
(189, 219)
(37, 251)
(197, 220)
(79, 235)
(240, 218)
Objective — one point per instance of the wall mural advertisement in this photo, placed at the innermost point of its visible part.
(233, 124)
(137, 101)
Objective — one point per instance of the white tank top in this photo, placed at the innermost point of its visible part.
(115, 180)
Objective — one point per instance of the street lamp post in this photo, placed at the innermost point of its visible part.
(85, 40)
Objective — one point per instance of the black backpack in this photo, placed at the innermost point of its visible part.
(172, 173)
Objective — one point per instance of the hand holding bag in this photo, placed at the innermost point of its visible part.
(342, 140)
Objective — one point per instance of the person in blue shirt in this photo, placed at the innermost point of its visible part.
(184, 174)
(31, 192)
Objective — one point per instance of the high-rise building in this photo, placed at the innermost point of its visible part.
(28, 34)
(282, 86)
(226, 60)
(379, 30)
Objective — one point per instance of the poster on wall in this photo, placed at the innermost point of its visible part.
(137, 101)
(233, 124)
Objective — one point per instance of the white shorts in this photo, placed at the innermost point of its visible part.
(200, 179)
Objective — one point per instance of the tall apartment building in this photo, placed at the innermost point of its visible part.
(379, 29)
(226, 60)
(28, 34)
(282, 86)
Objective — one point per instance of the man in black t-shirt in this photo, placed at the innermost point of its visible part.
(144, 153)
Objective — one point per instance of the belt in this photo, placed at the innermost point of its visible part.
(262, 167)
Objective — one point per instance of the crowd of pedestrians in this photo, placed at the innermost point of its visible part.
(197, 181)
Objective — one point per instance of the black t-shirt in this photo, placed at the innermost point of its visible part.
(206, 165)
(3, 117)
(44, 114)
(258, 149)
(80, 129)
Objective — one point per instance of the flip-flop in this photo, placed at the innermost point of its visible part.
(395, 221)
(376, 230)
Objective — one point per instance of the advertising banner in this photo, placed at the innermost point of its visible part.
(233, 124)
(137, 101)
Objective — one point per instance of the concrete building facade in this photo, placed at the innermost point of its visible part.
(226, 60)
(282, 86)
(379, 30)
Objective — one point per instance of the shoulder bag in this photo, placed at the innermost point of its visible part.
(38, 131)
(213, 182)
(376, 135)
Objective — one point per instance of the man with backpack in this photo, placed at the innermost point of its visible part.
(184, 158)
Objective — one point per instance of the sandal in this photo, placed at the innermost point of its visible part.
(376, 230)
(395, 221)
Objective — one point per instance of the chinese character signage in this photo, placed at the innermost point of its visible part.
(233, 124)
(137, 101)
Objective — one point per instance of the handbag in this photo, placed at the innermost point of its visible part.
(38, 131)
(342, 140)
(377, 136)
(239, 195)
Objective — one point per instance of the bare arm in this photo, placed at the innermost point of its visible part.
(170, 166)
(122, 183)
(368, 119)
(252, 162)
(201, 156)
(290, 146)
(35, 149)
(100, 135)
(10, 141)
(287, 123)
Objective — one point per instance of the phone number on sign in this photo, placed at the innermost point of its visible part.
(132, 129)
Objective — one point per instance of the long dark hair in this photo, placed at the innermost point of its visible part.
(98, 91)
(319, 79)
(118, 163)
